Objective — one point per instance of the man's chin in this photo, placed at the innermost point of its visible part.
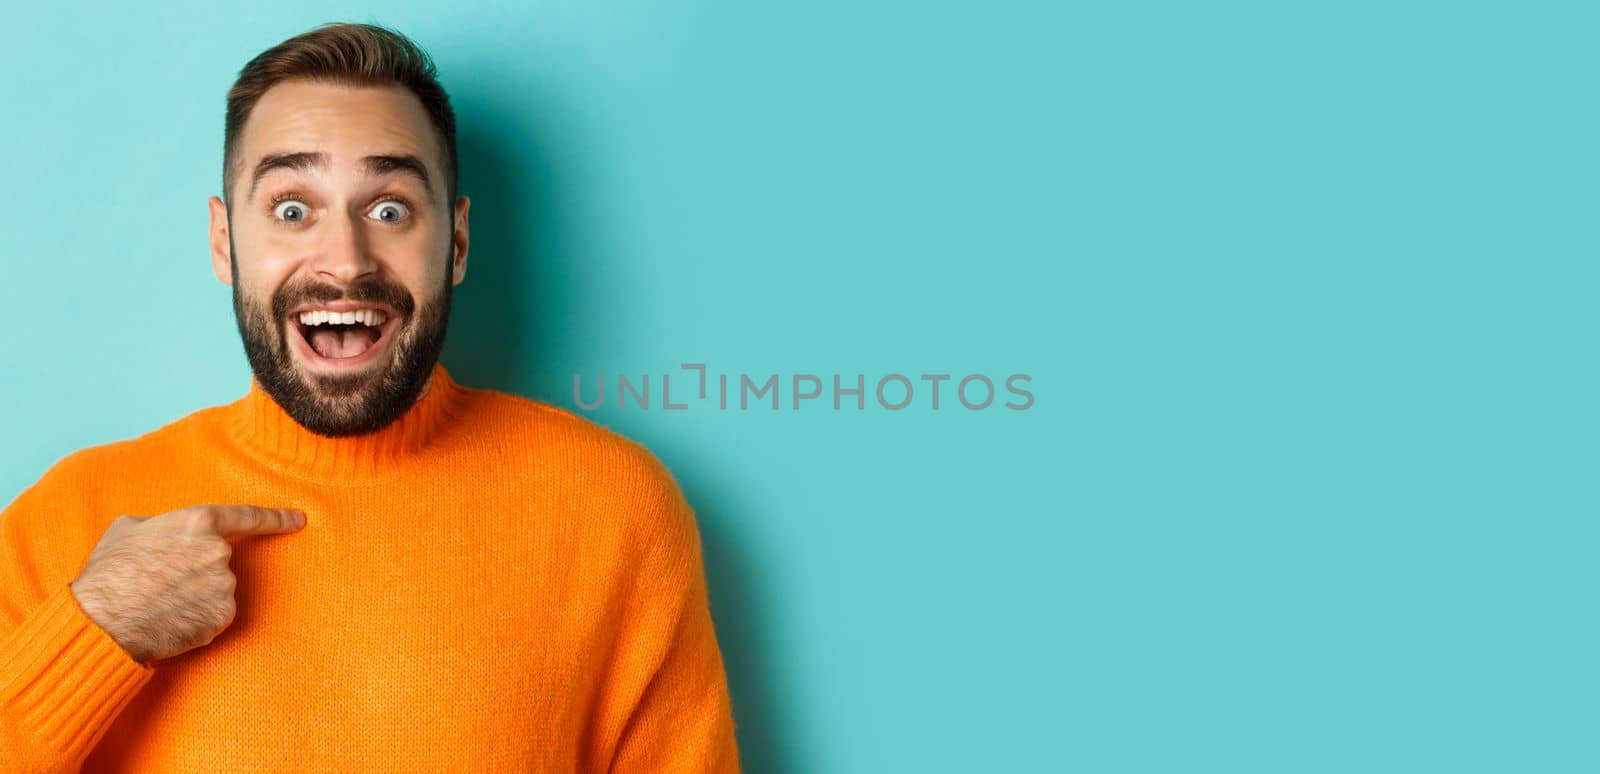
(342, 404)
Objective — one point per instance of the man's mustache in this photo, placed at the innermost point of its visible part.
(394, 297)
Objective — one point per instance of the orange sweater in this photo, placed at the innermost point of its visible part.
(489, 584)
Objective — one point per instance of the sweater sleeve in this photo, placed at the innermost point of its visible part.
(682, 720)
(63, 679)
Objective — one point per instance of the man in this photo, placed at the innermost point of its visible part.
(360, 565)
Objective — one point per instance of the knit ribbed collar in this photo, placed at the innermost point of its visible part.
(259, 424)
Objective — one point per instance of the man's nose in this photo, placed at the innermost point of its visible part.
(345, 255)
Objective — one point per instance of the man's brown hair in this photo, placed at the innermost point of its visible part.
(340, 52)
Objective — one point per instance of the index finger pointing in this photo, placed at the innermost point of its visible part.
(231, 520)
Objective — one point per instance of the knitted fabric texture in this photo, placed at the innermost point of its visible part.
(488, 584)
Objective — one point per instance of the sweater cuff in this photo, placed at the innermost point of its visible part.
(63, 679)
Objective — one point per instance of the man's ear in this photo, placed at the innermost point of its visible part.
(459, 241)
(221, 258)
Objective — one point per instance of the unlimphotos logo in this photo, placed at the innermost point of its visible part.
(894, 392)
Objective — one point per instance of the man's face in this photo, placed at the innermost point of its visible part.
(339, 204)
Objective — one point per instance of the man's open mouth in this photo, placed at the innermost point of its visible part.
(344, 336)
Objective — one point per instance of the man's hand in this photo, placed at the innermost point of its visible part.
(161, 585)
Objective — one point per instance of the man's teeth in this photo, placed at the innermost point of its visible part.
(368, 317)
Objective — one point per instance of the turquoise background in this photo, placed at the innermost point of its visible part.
(1307, 293)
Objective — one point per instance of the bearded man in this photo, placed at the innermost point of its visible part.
(361, 564)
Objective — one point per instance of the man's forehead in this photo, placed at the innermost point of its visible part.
(308, 103)
(335, 127)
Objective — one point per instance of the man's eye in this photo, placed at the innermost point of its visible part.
(389, 211)
(289, 210)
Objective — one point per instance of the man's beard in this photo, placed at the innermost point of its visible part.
(350, 404)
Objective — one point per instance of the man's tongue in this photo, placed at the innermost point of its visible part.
(346, 342)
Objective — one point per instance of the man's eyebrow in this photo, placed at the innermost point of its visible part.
(299, 161)
(391, 163)
(381, 164)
